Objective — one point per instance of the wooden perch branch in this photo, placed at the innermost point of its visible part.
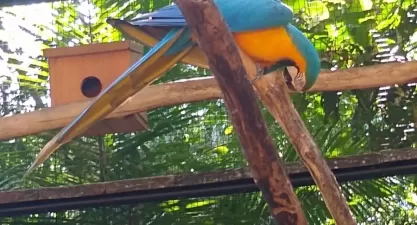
(216, 41)
(161, 95)
(149, 98)
(274, 93)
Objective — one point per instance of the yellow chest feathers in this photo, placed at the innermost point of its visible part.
(268, 46)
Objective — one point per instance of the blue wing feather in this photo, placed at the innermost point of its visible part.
(183, 42)
(166, 16)
(259, 14)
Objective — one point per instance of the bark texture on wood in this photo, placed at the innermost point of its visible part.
(274, 93)
(161, 95)
(216, 41)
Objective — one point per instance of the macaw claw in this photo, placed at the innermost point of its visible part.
(260, 71)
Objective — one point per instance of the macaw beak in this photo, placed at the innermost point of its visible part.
(306, 60)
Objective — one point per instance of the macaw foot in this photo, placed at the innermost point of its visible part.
(294, 80)
(265, 69)
(288, 78)
(261, 70)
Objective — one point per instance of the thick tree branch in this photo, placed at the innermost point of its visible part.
(216, 41)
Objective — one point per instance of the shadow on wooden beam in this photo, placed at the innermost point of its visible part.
(195, 90)
(349, 168)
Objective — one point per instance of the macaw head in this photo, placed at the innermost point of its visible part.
(302, 68)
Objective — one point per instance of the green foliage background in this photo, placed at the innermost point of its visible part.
(199, 137)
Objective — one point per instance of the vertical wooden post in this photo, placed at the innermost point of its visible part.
(216, 42)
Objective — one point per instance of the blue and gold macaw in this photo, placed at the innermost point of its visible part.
(261, 29)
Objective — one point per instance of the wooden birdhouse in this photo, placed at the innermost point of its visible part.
(83, 72)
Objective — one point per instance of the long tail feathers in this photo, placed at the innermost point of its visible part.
(142, 73)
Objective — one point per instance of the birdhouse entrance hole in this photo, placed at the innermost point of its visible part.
(91, 86)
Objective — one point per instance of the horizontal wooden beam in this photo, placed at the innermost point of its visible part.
(195, 90)
(359, 167)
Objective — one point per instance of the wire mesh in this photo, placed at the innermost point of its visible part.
(198, 137)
